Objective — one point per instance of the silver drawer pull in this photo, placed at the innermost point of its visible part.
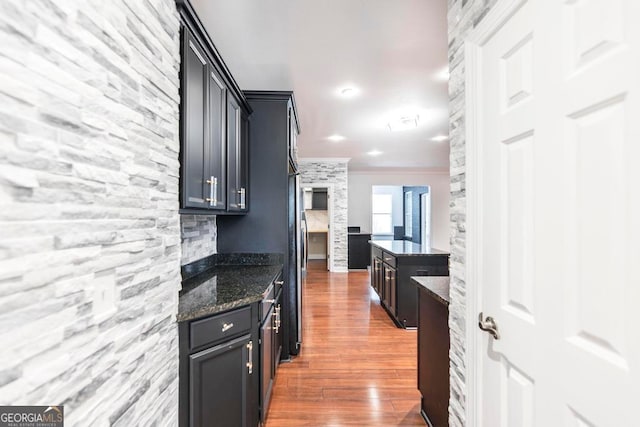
(269, 301)
(279, 282)
(250, 357)
(226, 327)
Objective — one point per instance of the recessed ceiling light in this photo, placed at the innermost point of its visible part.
(374, 152)
(335, 138)
(442, 74)
(439, 138)
(404, 122)
(348, 91)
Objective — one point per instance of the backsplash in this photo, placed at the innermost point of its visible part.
(199, 237)
(90, 247)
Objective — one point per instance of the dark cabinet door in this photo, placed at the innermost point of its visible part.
(377, 275)
(219, 384)
(234, 163)
(195, 159)
(277, 340)
(266, 365)
(390, 288)
(243, 173)
(216, 150)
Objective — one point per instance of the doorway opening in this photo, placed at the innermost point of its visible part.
(318, 223)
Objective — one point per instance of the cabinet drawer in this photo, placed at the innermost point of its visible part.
(216, 328)
(389, 259)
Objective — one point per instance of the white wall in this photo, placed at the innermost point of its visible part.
(360, 183)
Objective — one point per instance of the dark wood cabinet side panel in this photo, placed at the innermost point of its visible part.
(433, 358)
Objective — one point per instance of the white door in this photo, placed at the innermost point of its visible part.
(554, 120)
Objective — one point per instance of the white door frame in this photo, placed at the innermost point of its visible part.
(492, 22)
(331, 212)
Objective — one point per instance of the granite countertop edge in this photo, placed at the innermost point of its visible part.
(437, 286)
(218, 308)
(418, 252)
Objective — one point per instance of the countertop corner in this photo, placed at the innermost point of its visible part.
(437, 286)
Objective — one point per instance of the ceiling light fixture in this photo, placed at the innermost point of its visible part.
(442, 74)
(335, 138)
(404, 122)
(374, 152)
(348, 92)
(439, 138)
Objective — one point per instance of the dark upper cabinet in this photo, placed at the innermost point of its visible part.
(237, 142)
(219, 383)
(195, 141)
(213, 125)
(217, 146)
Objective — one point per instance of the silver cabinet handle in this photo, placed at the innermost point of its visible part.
(243, 194)
(279, 282)
(269, 301)
(226, 327)
(277, 314)
(213, 191)
(250, 362)
(488, 325)
(275, 320)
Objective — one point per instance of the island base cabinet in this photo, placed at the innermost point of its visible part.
(433, 359)
(219, 380)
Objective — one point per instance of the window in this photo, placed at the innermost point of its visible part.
(381, 214)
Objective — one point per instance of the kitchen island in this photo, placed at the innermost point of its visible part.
(393, 263)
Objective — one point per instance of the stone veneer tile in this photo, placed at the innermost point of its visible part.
(91, 246)
(463, 16)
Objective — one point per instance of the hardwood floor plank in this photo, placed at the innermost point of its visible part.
(355, 367)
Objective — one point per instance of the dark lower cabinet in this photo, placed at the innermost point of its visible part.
(271, 348)
(266, 347)
(390, 288)
(219, 383)
(433, 358)
(358, 252)
(219, 369)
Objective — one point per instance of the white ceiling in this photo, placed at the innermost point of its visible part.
(391, 50)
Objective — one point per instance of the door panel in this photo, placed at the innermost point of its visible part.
(557, 106)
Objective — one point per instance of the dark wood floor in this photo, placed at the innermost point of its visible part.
(355, 368)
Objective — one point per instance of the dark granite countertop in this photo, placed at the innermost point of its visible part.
(222, 282)
(405, 247)
(437, 286)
